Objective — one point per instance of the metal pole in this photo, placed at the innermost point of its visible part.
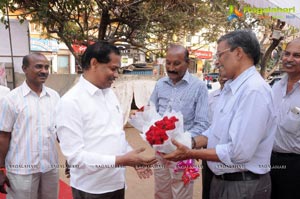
(11, 48)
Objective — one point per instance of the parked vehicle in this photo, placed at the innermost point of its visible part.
(212, 76)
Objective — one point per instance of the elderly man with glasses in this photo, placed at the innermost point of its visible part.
(240, 139)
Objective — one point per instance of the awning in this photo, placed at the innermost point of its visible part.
(47, 45)
(202, 54)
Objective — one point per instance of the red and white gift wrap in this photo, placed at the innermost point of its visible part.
(159, 130)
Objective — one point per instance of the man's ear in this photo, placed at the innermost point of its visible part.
(240, 52)
(93, 63)
(24, 68)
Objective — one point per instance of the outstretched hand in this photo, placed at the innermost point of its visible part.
(134, 158)
(142, 160)
(3, 181)
(181, 153)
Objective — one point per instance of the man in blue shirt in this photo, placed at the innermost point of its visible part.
(180, 91)
(240, 138)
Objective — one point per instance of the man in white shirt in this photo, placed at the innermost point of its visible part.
(285, 161)
(27, 135)
(90, 129)
(3, 91)
(240, 139)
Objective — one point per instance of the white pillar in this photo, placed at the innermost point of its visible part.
(72, 64)
(54, 63)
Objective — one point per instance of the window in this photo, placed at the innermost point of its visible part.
(63, 63)
(35, 28)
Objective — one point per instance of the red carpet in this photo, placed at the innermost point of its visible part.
(65, 191)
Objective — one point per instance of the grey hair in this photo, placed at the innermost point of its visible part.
(246, 39)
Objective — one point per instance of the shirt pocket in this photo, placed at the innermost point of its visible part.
(187, 107)
(224, 117)
(291, 122)
(164, 102)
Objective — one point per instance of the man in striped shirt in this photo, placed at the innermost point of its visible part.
(180, 91)
(27, 135)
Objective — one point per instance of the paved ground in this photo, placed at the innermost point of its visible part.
(137, 188)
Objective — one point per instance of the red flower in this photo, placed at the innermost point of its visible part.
(157, 134)
(141, 109)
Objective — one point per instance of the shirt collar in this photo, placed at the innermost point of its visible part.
(91, 88)
(234, 85)
(186, 78)
(216, 93)
(284, 80)
(26, 90)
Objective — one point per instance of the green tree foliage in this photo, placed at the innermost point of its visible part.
(137, 22)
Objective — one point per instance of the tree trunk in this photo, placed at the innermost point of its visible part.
(105, 19)
(275, 43)
(267, 56)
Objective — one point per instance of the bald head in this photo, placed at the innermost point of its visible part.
(295, 41)
(177, 62)
(27, 58)
(175, 48)
(291, 59)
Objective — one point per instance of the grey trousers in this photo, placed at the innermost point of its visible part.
(252, 189)
(33, 186)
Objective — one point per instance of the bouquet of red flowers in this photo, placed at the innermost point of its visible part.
(157, 133)
(159, 130)
(142, 117)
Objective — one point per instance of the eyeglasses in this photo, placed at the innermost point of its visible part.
(219, 54)
(219, 66)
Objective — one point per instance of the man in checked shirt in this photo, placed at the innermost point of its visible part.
(28, 136)
(180, 91)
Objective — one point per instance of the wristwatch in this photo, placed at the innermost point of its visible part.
(193, 143)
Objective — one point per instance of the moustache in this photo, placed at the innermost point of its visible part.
(288, 64)
(172, 72)
(43, 75)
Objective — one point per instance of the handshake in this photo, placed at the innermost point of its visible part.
(142, 163)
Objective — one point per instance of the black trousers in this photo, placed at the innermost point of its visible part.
(118, 194)
(207, 176)
(285, 176)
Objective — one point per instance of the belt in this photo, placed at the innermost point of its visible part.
(239, 176)
(285, 154)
